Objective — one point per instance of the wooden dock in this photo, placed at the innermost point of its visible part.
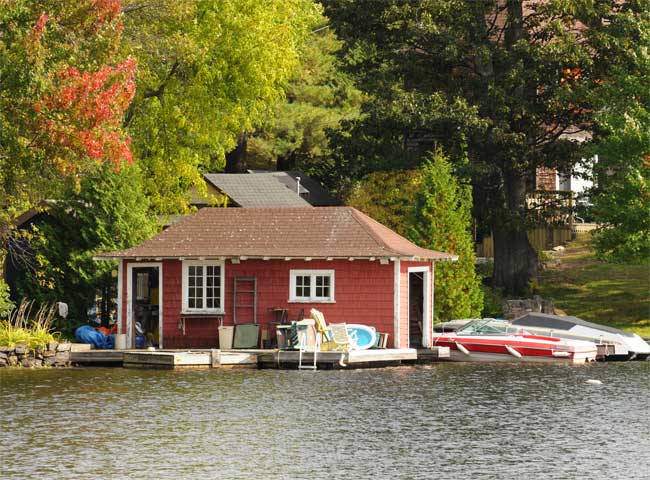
(98, 357)
(283, 359)
(433, 354)
(189, 359)
(289, 359)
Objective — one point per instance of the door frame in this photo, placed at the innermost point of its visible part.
(426, 307)
(130, 341)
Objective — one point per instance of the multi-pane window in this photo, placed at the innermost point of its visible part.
(202, 286)
(312, 286)
(213, 286)
(322, 286)
(303, 286)
(195, 287)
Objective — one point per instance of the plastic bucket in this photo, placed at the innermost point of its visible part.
(225, 337)
(120, 341)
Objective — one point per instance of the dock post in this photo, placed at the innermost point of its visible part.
(215, 356)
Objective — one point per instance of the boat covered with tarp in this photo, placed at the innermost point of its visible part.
(627, 345)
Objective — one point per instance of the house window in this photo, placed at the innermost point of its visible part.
(203, 287)
(312, 286)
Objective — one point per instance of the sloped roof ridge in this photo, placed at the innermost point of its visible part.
(361, 218)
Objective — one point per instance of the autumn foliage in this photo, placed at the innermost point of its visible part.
(84, 113)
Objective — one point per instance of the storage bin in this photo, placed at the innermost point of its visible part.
(225, 337)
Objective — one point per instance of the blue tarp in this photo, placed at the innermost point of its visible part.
(87, 334)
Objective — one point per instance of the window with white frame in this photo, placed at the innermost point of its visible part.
(203, 286)
(312, 286)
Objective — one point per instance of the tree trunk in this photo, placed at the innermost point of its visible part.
(515, 260)
(236, 159)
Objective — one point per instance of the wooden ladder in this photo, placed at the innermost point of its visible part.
(246, 286)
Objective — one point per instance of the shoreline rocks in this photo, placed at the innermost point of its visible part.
(54, 354)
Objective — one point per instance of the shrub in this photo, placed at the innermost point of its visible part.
(19, 329)
(6, 305)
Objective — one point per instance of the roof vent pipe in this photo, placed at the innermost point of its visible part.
(298, 185)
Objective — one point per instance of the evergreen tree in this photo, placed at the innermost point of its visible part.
(442, 221)
(318, 98)
(109, 212)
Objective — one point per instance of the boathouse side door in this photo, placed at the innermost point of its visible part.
(419, 312)
(144, 312)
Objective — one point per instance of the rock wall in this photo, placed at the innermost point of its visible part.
(518, 307)
(52, 355)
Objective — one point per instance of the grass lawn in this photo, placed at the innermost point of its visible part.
(610, 294)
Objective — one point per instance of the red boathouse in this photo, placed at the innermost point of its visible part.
(245, 265)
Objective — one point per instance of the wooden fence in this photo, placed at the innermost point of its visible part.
(542, 238)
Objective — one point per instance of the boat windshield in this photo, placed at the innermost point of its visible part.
(488, 326)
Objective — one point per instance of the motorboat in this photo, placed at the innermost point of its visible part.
(626, 345)
(490, 340)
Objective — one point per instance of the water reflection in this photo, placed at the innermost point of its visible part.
(451, 420)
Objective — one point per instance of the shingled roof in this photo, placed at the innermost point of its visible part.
(247, 190)
(326, 232)
(310, 189)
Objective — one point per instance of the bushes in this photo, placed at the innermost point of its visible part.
(19, 329)
(6, 305)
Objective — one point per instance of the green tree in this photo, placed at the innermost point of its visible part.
(208, 72)
(442, 221)
(108, 212)
(388, 197)
(318, 97)
(505, 80)
(621, 197)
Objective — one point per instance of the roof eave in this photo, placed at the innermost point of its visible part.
(393, 257)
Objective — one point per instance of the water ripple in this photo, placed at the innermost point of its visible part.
(448, 420)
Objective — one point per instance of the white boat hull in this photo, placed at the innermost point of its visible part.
(458, 356)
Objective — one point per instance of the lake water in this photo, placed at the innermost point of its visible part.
(461, 421)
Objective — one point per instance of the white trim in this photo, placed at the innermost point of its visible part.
(160, 307)
(312, 298)
(120, 270)
(130, 341)
(426, 306)
(396, 295)
(203, 263)
(433, 295)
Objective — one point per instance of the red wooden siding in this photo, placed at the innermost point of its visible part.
(363, 294)
(363, 290)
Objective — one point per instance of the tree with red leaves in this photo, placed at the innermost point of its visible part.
(63, 94)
